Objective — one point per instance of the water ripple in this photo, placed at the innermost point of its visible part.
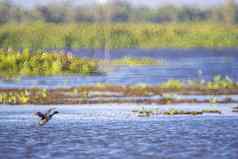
(66, 136)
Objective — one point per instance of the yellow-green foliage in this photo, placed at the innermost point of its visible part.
(119, 35)
(14, 97)
(220, 82)
(13, 63)
(172, 84)
(23, 96)
(136, 61)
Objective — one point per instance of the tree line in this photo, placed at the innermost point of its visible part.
(118, 11)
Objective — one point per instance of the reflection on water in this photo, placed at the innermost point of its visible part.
(114, 132)
(182, 64)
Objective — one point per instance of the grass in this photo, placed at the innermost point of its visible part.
(39, 35)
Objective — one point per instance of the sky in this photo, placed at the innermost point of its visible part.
(136, 2)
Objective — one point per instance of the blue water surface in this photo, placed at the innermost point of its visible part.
(180, 64)
(108, 132)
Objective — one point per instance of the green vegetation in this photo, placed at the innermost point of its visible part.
(172, 84)
(39, 63)
(144, 112)
(23, 96)
(15, 64)
(168, 90)
(68, 25)
(210, 111)
(41, 35)
(120, 11)
(221, 82)
(105, 93)
(181, 112)
(218, 83)
(171, 112)
(136, 61)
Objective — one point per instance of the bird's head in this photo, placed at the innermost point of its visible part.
(36, 113)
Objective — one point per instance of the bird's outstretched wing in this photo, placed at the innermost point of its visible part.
(52, 114)
(40, 115)
(49, 111)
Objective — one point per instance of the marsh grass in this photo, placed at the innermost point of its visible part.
(40, 35)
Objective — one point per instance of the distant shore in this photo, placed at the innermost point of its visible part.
(40, 35)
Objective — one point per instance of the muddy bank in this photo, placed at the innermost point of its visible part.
(118, 94)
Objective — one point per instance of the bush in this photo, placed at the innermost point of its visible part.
(13, 64)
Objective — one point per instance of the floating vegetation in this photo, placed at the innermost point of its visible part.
(14, 64)
(140, 94)
(210, 111)
(143, 112)
(172, 112)
(135, 61)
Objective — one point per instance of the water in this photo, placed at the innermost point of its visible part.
(114, 132)
(181, 64)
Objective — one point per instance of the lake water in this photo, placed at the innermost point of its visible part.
(113, 132)
(181, 64)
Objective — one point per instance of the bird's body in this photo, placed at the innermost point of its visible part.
(45, 117)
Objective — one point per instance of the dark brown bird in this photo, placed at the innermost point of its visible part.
(45, 117)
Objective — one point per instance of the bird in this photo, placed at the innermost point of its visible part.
(45, 117)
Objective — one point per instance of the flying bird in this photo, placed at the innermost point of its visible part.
(46, 117)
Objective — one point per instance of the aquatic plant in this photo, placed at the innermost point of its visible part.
(15, 64)
(210, 111)
(144, 112)
(220, 82)
(135, 61)
(171, 112)
(172, 84)
(20, 97)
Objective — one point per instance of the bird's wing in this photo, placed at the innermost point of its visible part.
(49, 111)
(40, 115)
(52, 114)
